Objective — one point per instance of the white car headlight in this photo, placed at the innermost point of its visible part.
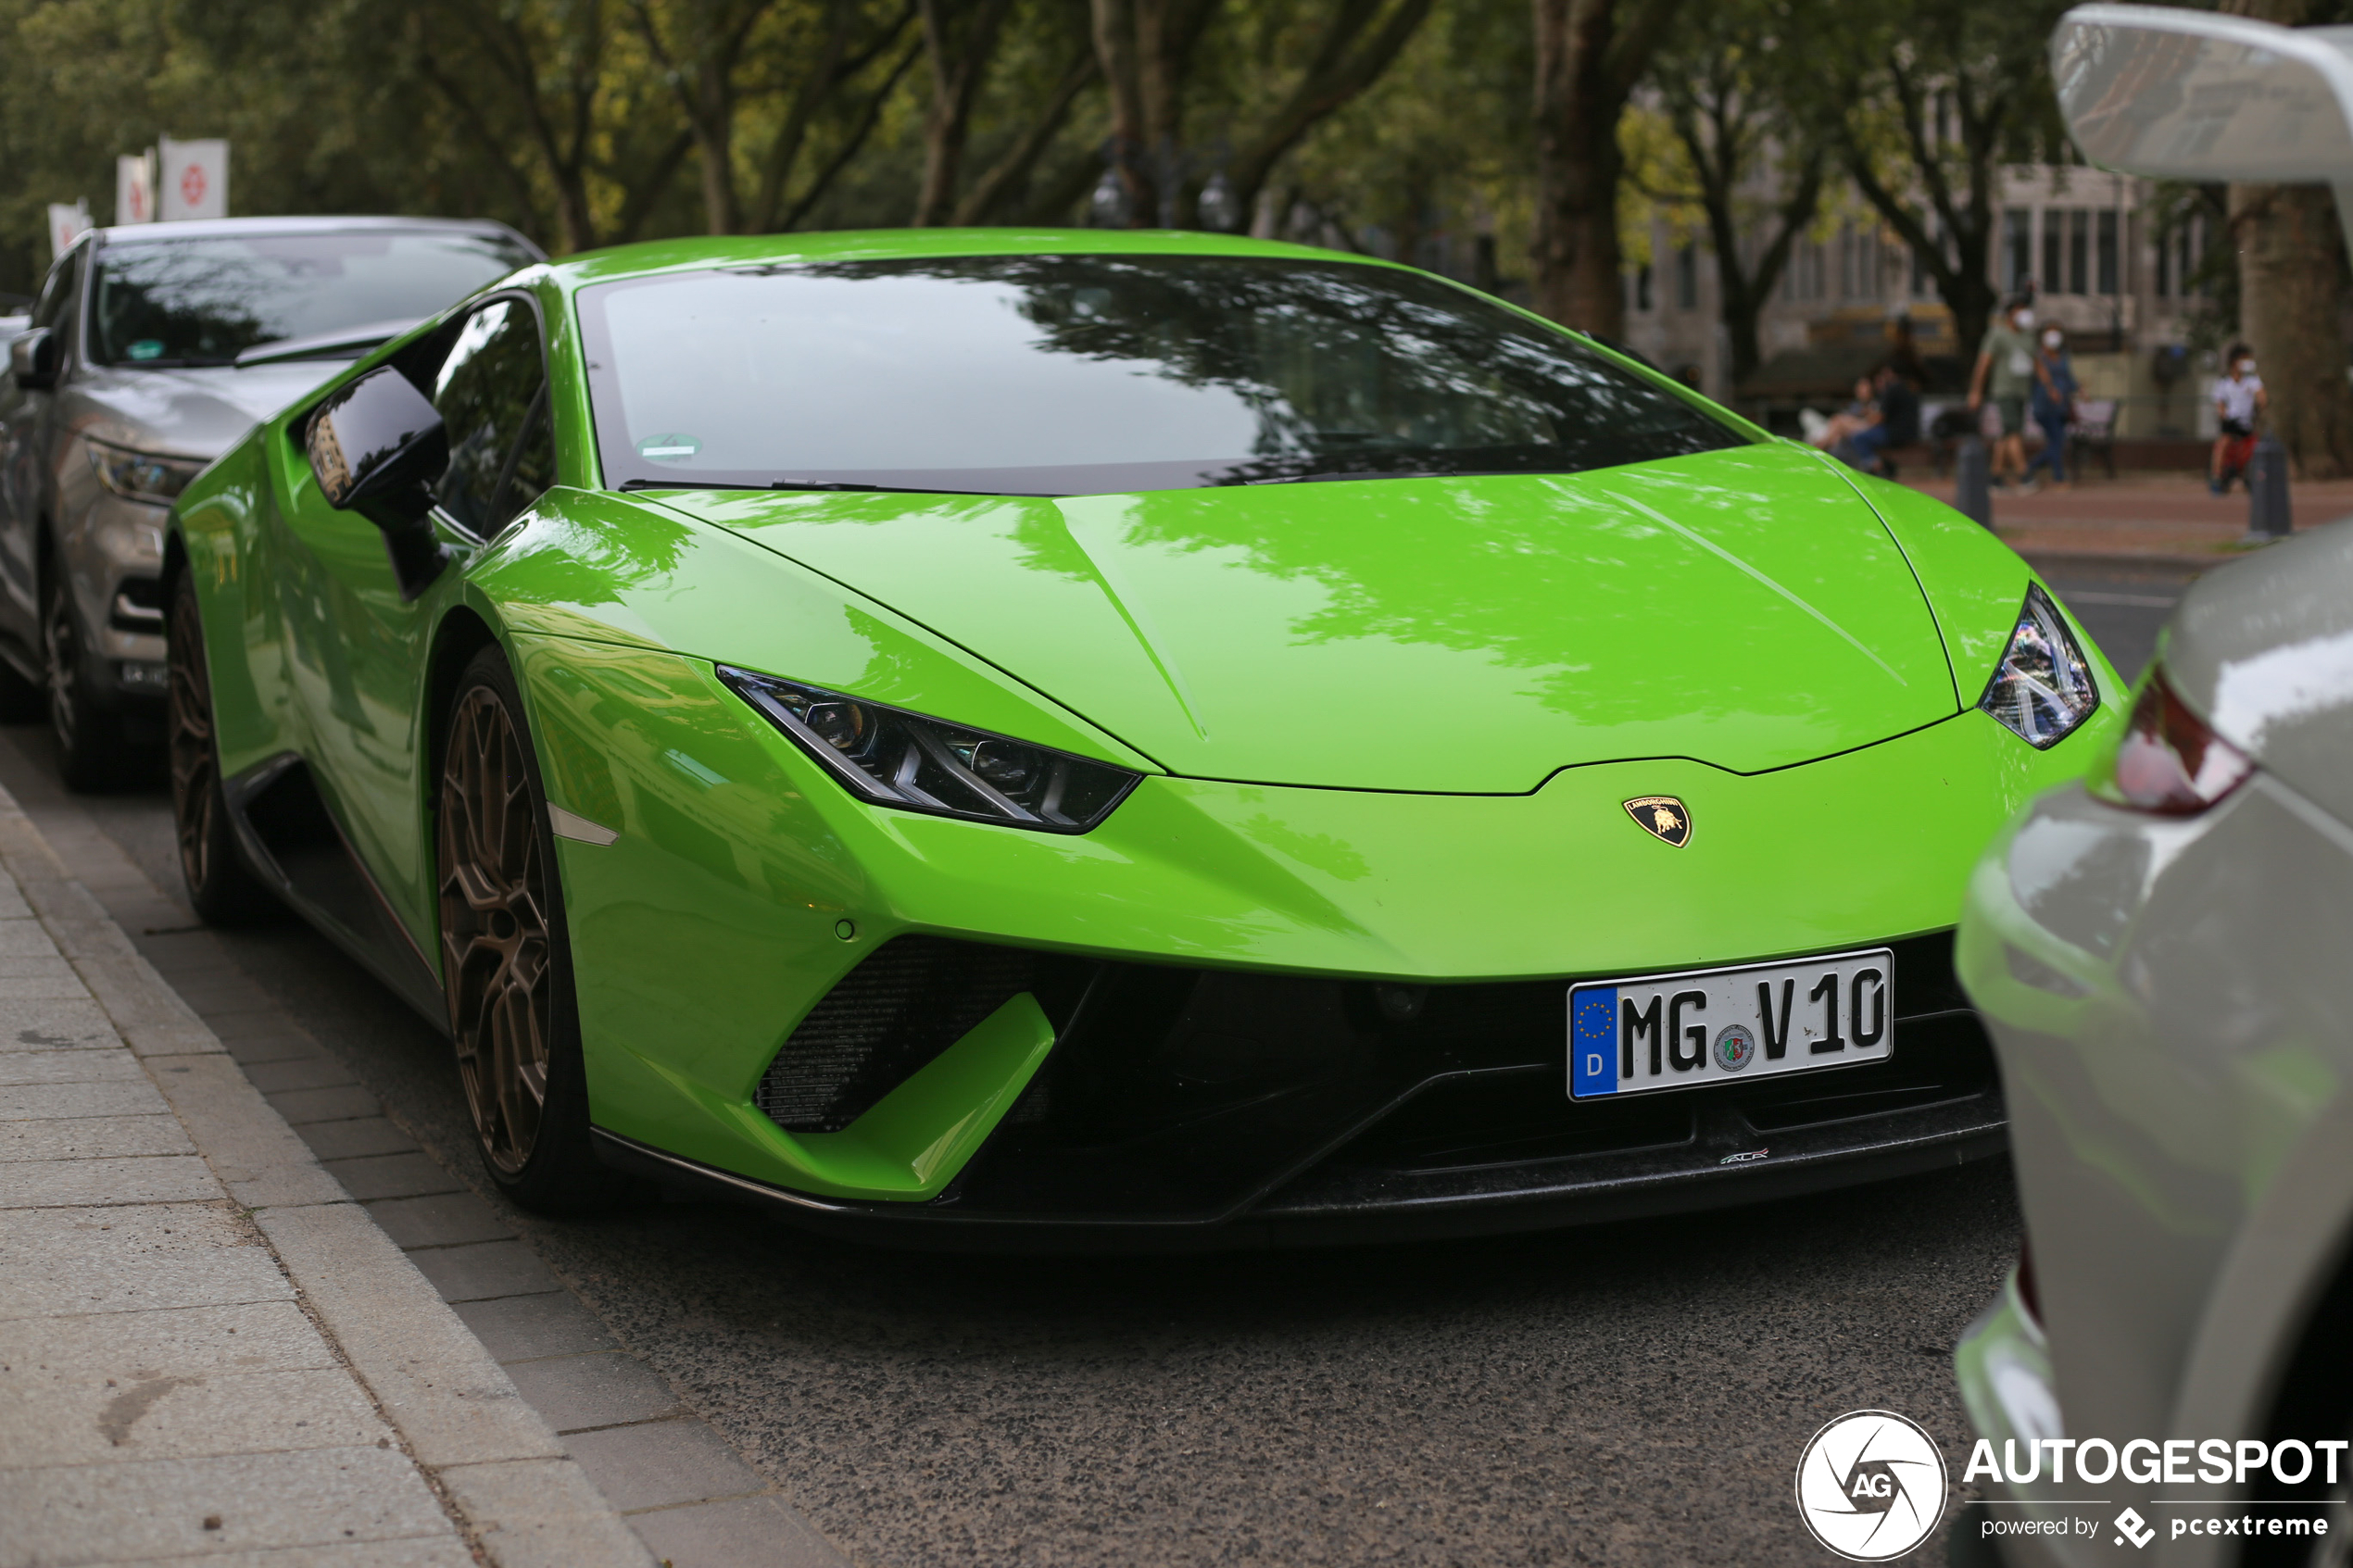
(142, 476)
(2042, 691)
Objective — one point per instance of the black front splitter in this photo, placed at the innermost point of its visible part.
(1727, 1166)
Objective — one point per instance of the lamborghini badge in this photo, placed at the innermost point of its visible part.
(1663, 816)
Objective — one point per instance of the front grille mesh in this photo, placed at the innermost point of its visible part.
(910, 1000)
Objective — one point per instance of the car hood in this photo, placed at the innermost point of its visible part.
(1743, 609)
(190, 413)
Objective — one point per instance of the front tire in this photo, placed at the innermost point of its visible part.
(221, 888)
(90, 749)
(505, 956)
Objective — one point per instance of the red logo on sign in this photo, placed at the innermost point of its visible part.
(192, 184)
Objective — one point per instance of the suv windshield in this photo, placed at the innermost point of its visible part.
(200, 301)
(1076, 374)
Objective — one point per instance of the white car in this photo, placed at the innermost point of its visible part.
(2164, 956)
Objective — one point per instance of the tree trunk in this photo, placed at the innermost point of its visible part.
(957, 68)
(1115, 28)
(1012, 170)
(714, 122)
(1589, 55)
(2289, 250)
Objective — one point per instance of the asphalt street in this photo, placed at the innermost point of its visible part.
(1637, 1394)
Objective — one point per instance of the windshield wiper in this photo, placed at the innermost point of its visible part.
(876, 489)
(1334, 476)
(827, 484)
(184, 362)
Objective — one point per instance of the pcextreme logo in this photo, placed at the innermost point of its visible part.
(1870, 1485)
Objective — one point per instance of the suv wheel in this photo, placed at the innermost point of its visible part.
(90, 749)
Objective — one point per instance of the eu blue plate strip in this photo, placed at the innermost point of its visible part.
(1593, 1041)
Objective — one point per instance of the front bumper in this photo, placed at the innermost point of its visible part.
(1205, 1060)
(1186, 1108)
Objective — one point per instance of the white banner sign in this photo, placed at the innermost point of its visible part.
(196, 180)
(66, 224)
(135, 189)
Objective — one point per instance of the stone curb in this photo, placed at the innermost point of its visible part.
(500, 1466)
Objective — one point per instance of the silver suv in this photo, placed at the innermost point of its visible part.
(149, 351)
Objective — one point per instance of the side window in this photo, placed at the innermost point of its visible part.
(56, 289)
(492, 394)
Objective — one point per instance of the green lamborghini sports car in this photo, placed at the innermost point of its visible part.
(1043, 739)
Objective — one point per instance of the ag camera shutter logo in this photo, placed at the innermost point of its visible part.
(1870, 1485)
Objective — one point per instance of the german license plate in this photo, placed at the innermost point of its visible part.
(1710, 1025)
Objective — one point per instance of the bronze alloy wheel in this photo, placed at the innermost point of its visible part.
(495, 945)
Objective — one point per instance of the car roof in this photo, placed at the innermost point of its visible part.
(231, 228)
(656, 257)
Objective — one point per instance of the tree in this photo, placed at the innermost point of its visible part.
(1357, 41)
(1590, 54)
(1936, 99)
(1145, 50)
(1736, 94)
(2290, 257)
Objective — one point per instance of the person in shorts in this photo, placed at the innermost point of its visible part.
(2240, 401)
(2004, 376)
(2053, 405)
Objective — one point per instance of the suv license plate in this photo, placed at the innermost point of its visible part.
(1683, 1030)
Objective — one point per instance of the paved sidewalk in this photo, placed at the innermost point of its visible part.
(675, 1481)
(2154, 517)
(209, 1352)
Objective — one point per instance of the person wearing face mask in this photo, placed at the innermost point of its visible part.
(2240, 399)
(2005, 374)
(2053, 405)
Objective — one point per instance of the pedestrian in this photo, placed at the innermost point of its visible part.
(2240, 400)
(1839, 434)
(2004, 373)
(1899, 402)
(2053, 405)
(1887, 414)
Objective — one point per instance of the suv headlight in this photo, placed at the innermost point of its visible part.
(142, 476)
(893, 758)
(2043, 689)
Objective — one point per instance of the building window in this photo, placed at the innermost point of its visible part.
(1686, 277)
(2017, 249)
(2053, 274)
(1643, 287)
(2079, 250)
(2105, 249)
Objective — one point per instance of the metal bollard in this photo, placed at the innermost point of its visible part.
(1973, 483)
(2268, 516)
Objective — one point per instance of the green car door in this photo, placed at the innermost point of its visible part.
(357, 650)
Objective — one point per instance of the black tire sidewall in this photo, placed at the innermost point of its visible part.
(231, 894)
(92, 761)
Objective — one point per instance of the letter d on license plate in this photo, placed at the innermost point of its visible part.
(1681, 1031)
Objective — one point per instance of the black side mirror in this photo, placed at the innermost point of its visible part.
(375, 447)
(32, 359)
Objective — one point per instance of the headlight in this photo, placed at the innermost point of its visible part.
(2043, 688)
(143, 476)
(894, 758)
(2168, 762)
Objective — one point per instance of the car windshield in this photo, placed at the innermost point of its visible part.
(200, 301)
(1086, 374)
